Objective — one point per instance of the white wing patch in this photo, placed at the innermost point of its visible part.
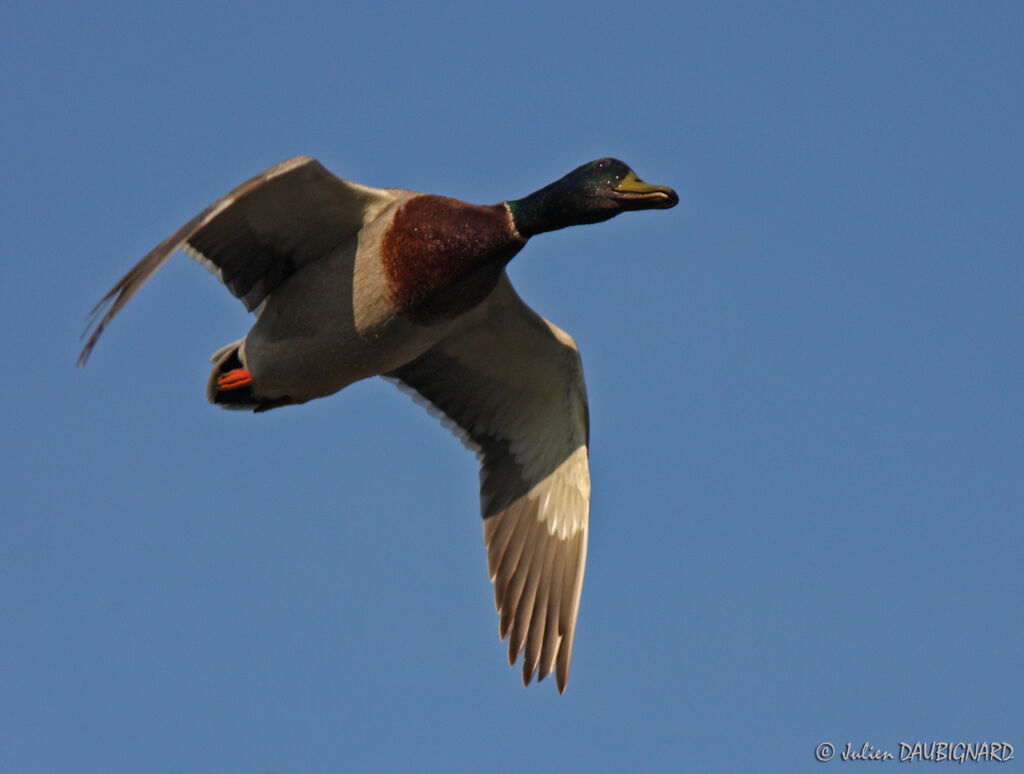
(564, 496)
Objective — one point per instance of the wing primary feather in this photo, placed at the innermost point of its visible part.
(535, 637)
(491, 525)
(521, 517)
(552, 637)
(128, 286)
(570, 606)
(519, 595)
(515, 566)
(528, 600)
(498, 531)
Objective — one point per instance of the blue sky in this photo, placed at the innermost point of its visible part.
(805, 391)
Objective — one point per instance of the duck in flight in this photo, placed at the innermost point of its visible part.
(349, 281)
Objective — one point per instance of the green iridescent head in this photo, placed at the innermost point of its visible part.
(589, 194)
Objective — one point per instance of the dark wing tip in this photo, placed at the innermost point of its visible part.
(97, 320)
(528, 670)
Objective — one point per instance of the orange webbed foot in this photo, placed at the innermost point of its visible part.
(234, 379)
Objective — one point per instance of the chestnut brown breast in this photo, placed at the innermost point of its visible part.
(441, 257)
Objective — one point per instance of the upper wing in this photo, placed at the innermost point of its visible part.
(258, 235)
(510, 384)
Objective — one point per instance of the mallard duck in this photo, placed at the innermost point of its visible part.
(349, 281)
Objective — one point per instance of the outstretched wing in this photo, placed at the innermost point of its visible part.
(258, 235)
(510, 384)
